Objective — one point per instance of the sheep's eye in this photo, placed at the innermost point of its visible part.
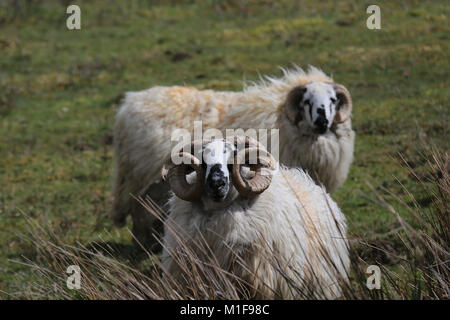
(333, 100)
(307, 102)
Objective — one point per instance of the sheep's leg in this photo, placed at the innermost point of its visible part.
(147, 229)
(119, 214)
(121, 205)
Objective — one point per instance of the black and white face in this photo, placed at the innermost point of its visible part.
(215, 177)
(319, 105)
(218, 158)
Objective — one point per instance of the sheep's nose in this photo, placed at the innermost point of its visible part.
(217, 182)
(321, 121)
(321, 124)
(217, 187)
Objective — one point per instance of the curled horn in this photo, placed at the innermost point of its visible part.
(176, 174)
(345, 104)
(250, 187)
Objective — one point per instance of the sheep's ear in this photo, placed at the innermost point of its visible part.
(292, 106)
(344, 104)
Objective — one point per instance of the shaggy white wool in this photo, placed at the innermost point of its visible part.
(294, 227)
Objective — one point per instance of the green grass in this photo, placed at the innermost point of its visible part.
(59, 90)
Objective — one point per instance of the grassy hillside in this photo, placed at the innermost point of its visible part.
(59, 90)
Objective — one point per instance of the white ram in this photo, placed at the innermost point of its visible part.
(270, 229)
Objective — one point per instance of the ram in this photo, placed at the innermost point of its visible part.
(311, 112)
(268, 226)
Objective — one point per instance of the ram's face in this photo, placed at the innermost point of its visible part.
(220, 173)
(217, 161)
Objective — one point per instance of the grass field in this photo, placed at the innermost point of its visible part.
(59, 90)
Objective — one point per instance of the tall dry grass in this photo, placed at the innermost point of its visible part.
(420, 246)
(421, 271)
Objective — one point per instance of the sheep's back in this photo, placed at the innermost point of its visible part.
(146, 120)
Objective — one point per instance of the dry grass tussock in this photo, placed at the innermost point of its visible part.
(422, 253)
